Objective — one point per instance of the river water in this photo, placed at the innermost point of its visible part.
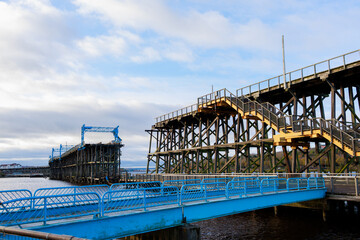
(30, 183)
(290, 223)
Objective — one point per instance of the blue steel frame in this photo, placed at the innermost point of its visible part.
(8, 195)
(117, 223)
(136, 185)
(99, 189)
(114, 131)
(71, 202)
(49, 208)
(60, 150)
(180, 182)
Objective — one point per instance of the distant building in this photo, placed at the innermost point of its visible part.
(12, 165)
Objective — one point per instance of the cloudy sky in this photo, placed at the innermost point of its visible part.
(124, 62)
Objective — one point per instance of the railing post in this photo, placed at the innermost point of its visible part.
(356, 186)
(205, 192)
(278, 81)
(74, 196)
(287, 184)
(227, 190)
(245, 192)
(45, 211)
(144, 195)
(298, 183)
(302, 74)
(308, 184)
(180, 195)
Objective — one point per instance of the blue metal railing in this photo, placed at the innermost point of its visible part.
(99, 189)
(129, 199)
(76, 204)
(8, 195)
(137, 185)
(202, 191)
(216, 180)
(179, 183)
(49, 208)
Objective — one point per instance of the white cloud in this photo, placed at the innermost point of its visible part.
(33, 36)
(102, 45)
(148, 54)
(201, 29)
(178, 52)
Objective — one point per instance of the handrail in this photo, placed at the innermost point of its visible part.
(137, 185)
(284, 122)
(185, 110)
(344, 127)
(327, 126)
(6, 195)
(100, 189)
(240, 92)
(280, 80)
(49, 208)
(56, 207)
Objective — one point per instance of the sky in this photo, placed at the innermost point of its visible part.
(124, 62)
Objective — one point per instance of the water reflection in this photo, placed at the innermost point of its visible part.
(30, 183)
(291, 223)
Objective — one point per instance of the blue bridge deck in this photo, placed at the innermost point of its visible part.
(103, 212)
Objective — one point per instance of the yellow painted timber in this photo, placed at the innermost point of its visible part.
(282, 138)
(287, 137)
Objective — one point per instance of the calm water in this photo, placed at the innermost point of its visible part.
(290, 223)
(30, 183)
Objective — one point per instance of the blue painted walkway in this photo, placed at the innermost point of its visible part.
(102, 212)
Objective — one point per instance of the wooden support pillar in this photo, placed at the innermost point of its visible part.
(306, 150)
(262, 157)
(332, 159)
(247, 149)
(343, 111)
(286, 157)
(294, 157)
(351, 99)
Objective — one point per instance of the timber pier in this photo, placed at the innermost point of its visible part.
(88, 163)
(304, 121)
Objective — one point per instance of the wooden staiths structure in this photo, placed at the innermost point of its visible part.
(311, 123)
(88, 163)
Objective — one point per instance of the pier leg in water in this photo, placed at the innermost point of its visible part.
(276, 210)
(324, 214)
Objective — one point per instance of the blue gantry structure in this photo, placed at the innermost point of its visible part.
(114, 131)
(57, 152)
(125, 209)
